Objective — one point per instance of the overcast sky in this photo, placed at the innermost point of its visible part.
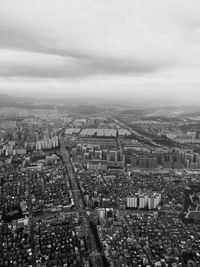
(134, 49)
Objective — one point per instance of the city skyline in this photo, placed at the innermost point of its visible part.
(138, 50)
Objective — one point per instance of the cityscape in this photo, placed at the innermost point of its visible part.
(100, 133)
(98, 190)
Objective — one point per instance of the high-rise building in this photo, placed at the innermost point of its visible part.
(151, 202)
(154, 200)
(119, 155)
(91, 153)
(38, 145)
(132, 202)
(194, 165)
(143, 199)
(102, 213)
(105, 154)
(113, 155)
(134, 160)
(142, 162)
(79, 148)
(152, 163)
(98, 154)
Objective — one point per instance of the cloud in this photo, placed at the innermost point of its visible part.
(33, 64)
(111, 36)
(15, 63)
(130, 40)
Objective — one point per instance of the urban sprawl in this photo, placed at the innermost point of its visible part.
(100, 190)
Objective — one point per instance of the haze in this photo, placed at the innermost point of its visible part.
(126, 49)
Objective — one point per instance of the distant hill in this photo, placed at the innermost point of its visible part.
(7, 99)
(77, 106)
(87, 106)
(87, 109)
(22, 102)
(138, 111)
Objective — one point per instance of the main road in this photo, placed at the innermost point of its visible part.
(96, 256)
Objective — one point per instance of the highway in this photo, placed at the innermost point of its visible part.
(94, 251)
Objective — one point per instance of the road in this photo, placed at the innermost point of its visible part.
(94, 251)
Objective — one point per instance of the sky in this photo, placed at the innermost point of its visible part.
(123, 49)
